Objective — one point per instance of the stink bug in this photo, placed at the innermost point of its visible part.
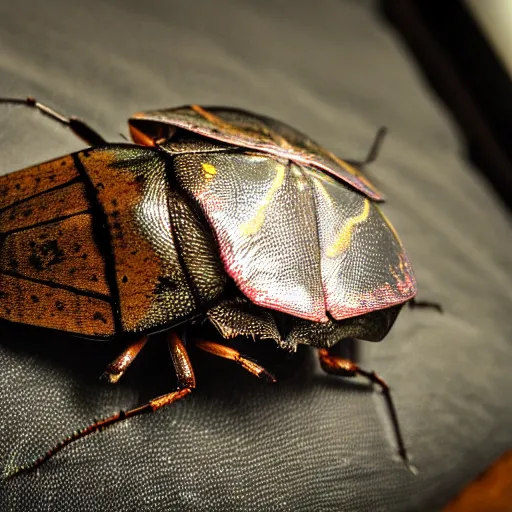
(214, 213)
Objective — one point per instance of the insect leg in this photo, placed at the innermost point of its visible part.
(139, 137)
(347, 368)
(182, 364)
(375, 147)
(186, 378)
(424, 304)
(78, 127)
(373, 153)
(115, 370)
(228, 353)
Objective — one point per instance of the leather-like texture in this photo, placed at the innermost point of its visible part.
(310, 442)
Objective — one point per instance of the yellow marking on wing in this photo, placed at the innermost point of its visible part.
(319, 179)
(343, 240)
(209, 171)
(393, 272)
(254, 225)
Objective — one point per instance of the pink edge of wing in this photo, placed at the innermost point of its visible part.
(353, 298)
(369, 304)
(347, 176)
(343, 301)
(372, 271)
(260, 298)
(381, 297)
(253, 268)
(335, 169)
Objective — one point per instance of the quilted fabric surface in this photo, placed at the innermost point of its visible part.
(312, 442)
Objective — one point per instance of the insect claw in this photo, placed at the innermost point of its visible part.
(268, 376)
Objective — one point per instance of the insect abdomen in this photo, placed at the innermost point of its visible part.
(99, 243)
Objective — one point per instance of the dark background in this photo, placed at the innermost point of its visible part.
(459, 61)
(336, 70)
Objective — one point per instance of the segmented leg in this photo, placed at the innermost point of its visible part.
(229, 353)
(344, 367)
(115, 370)
(375, 147)
(373, 153)
(425, 304)
(182, 364)
(186, 380)
(77, 126)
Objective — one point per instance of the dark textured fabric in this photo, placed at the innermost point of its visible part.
(311, 442)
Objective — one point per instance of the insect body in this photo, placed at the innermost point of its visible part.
(215, 213)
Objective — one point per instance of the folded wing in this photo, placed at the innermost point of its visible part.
(296, 240)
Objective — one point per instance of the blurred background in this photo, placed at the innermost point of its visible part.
(464, 48)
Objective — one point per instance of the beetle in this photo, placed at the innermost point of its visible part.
(213, 213)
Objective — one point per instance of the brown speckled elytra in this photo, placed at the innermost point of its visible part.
(213, 213)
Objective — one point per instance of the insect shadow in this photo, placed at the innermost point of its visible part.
(152, 373)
